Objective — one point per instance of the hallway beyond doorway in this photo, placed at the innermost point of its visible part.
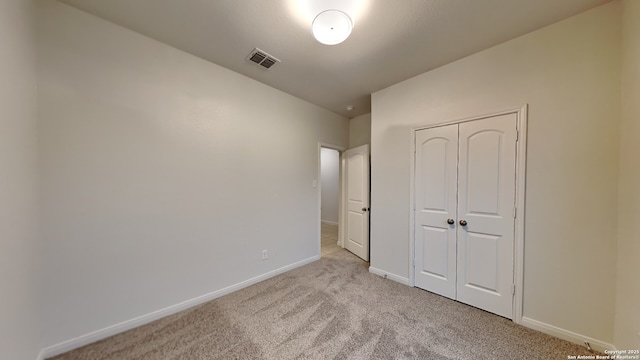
(328, 239)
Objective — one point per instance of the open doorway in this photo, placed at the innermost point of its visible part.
(329, 200)
(343, 200)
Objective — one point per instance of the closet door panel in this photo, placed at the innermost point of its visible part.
(486, 198)
(436, 161)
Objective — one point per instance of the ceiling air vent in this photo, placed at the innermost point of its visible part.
(261, 58)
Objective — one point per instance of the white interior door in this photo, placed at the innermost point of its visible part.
(464, 198)
(436, 164)
(486, 205)
(357, 201)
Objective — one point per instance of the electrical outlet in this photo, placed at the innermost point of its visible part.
(265, 255)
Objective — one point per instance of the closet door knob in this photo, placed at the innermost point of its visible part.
(463, 222)
(451, 221)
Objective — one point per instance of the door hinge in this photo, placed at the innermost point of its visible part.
(515, 212)
(513, 289)
(517, 135)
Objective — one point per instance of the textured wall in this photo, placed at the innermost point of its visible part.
(19, 308)
(628, 291)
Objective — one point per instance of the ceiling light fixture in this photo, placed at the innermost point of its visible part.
(331, 27)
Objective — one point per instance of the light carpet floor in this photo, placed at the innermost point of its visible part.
(330, 309)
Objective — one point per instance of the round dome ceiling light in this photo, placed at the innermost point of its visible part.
(332, 27)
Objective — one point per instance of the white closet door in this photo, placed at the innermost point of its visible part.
(435, 205)
(485, 228)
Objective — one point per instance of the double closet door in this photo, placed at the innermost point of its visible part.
(465, 177)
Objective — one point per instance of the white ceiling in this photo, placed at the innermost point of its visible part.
(392, 40)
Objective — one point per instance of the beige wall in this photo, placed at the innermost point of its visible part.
(19, 300)
(627, 325)
(569, 74)
(163, 176)
(360, 130)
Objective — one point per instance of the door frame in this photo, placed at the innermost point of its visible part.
(340, 150)
(521, 166)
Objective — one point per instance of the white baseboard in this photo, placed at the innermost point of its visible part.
(100, 334)
(329, 222)
(387, 275)
(566, 334)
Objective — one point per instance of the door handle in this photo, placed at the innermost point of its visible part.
(451, 221)
(365, 209)
(463, 222)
